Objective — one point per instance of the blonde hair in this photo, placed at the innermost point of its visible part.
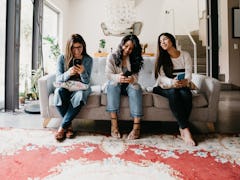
(75, 38)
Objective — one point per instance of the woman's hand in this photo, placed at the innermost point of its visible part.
(124, 79)
(72, 71)
(79, 69)
(180, 83)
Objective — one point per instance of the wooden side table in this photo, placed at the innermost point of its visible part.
(148, 54)
(101, 54)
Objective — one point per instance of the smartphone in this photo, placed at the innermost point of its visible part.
(180, 76)
(77, 62)
(127, 73)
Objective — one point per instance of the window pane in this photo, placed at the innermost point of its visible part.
(2, 50)
(50, 38)
(25, 46)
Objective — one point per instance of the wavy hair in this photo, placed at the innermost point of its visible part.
(75, 38)
(163, 58)
(136, 59)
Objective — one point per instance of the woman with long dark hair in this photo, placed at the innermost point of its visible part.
(171, 62)
(122, 68)
(69, 103)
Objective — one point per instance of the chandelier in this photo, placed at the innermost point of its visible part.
(120, 15)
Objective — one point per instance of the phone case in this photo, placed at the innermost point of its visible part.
(181, 76)
(77, 62)
(127, 73)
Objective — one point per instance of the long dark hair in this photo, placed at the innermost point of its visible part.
(136, 59)
(163, 58)
(75, 38)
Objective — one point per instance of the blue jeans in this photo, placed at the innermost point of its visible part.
(66, 110)
(134, 97)
(180, 102)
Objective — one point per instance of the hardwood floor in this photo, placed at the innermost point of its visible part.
(228, 120)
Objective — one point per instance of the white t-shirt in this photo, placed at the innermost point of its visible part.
(183, 63)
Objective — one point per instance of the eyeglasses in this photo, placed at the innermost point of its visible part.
(77, 47)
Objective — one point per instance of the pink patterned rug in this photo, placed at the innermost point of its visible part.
(35, 154)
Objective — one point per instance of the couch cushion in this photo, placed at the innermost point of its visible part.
(146, 75)
(96, 88)
(147, 100)
(98, 76)
(93, 100)
(198, 101)
(160, 101)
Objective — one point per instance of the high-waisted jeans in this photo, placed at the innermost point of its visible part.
(66, 110)
(180, 102)
(134, 98)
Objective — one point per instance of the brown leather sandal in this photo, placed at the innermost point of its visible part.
(114, 130)
(60, 135)
(70, 132)
(135, 133)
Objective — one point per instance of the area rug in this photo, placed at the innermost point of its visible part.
(35, 154)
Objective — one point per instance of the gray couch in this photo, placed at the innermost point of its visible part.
(155, 107)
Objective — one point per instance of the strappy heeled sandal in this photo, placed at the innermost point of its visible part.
(135, 133)
(60, 135)
(114, 130)
(70, 132)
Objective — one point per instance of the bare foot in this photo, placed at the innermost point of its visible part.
(187, 137)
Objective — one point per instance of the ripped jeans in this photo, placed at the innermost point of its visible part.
(113, 91)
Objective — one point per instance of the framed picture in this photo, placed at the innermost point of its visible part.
(236, 22)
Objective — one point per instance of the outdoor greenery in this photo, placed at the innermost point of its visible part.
(33, 92)
(54, 47)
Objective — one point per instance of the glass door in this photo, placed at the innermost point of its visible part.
(25, 64)
(51, 49)
(2, 51)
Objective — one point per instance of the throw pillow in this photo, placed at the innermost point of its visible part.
(71, 85)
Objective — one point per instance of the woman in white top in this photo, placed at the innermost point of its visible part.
(169, 63)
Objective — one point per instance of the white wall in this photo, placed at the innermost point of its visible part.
(229, 58)
(63, 7)
(234, 54)
(85, 16)
(223, 39)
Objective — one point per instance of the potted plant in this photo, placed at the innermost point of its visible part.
(36, 74)
(102, 44)
(22, 97)
(23, 78)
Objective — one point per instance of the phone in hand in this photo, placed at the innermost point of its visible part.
(180, 76)
(77, 62)
(127, 73)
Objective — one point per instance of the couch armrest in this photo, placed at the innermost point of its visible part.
(46, 87)
(210, 87)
